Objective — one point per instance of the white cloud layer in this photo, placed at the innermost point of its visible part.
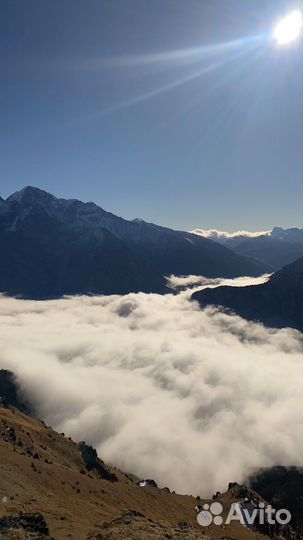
(214, 233)
(200, 282)
(193, 399)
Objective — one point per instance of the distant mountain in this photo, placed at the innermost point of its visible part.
(294, 235)
(51, 247)
(276, 248)
(276, 252)
(277, 303)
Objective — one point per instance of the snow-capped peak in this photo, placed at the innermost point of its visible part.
(30, 194)
(138, 220)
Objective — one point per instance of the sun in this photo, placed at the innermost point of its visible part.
(289, 29)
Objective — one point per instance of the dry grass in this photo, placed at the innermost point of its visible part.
(77, 504)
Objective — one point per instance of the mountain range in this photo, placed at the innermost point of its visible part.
(277, 303)
(52, 246)
(276, 247)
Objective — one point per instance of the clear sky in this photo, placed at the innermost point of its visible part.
(182, 112)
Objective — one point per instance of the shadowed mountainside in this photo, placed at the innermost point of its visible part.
(51, 247)
(10, 393)
(276, 248)
(277, 303)
(283, 488)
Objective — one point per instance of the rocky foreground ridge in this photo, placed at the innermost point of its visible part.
(53, 487)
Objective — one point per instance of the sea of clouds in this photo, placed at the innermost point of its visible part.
(192, 398)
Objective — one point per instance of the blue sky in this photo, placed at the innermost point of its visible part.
(182, 112)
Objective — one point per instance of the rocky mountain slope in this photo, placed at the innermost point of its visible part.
(52, 487)
(51, 247)
(277, 303)
(45, 474)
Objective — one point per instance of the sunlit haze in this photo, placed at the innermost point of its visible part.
(289, 28)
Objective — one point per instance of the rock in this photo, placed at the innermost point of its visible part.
(92, 462)
(238, 491)
(28, 523)
(10, 394)
(134, 525)
(148, 482)
(182, 526)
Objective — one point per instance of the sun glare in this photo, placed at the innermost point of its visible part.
(289, 28)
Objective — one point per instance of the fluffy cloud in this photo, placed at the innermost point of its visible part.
(214, 233)
(192, 398)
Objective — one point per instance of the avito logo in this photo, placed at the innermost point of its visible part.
(246, 512)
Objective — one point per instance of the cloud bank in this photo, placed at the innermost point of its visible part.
(200, 282)
(191, 398)
(214, 233)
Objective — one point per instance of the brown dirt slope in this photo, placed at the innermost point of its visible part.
(42, 471)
